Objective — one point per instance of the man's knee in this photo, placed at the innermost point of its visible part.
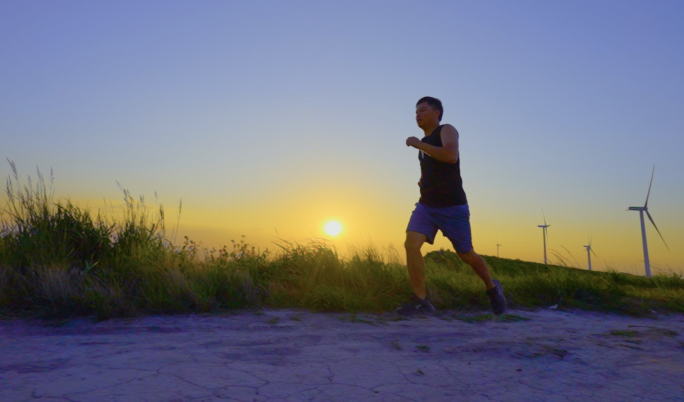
(414, 241)
(470, 257)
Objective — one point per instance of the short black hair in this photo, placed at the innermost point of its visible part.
(433, 103)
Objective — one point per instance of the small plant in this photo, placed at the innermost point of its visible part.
(476, 318)
(629, 334)
(273, 321)
(665, 332)
(511, 318)
(354, 318)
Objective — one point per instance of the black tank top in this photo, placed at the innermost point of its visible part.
(441, 182)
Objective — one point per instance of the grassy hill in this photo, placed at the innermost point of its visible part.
(529, 284)
(58, 260)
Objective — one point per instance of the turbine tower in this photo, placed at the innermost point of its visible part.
(497, 248)
(544, 226)
(643, 226)
(589, 252)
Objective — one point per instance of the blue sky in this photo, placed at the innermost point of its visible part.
(266, 115)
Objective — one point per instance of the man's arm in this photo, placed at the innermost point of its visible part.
(448, 152)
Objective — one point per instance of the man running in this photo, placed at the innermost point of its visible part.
(442, 206)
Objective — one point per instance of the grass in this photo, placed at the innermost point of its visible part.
(58, 260)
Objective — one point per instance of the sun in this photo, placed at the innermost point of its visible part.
(333, 228)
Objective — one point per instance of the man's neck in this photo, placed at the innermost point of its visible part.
(429, 129)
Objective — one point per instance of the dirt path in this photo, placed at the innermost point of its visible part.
(286, 355)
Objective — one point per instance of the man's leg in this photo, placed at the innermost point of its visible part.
(420, 229)
(415, 262)
(494, 289)
(418, 303)
(455, 224)
(479, 266)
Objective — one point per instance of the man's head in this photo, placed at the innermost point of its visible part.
(428, 109)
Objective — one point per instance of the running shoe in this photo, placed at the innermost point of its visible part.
(416, 305)
(497, 298)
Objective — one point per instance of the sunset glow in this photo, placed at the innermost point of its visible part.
(333, 228)
(280, 120)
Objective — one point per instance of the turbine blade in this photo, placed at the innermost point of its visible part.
(649, 188)
(592, 251)
(656, 228)
(544, 215)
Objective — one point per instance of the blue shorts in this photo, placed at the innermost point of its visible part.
(454, 222)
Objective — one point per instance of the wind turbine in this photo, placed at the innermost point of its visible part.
(497, 248)
(544, 226)
(589, 252)
(643, 226)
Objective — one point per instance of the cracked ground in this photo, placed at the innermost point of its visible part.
(290, 355)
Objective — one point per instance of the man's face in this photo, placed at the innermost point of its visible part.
(426, 115)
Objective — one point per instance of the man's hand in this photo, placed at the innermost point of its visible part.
(413, 142)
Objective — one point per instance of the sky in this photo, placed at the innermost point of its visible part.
(270, 118)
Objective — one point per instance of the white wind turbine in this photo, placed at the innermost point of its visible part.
(589, 252)
(643, 226)
(544, 226)
(497, 248)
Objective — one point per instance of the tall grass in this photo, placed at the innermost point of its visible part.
(59, 260)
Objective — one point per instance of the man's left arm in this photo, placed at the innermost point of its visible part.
(448, 152)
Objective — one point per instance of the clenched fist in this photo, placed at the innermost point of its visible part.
(412, 142)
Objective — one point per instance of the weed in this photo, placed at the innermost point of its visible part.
(273, 321)
(511, 318)
(629, 334)
(354, 318)
(475, 318)
(559, 353)
(665, 332)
